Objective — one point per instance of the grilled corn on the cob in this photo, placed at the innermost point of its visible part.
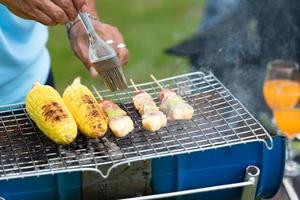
(89, 116)
(47, 109)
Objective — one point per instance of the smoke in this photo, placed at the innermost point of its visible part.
(237, 47)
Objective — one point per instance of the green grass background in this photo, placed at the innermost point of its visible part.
(148, 28)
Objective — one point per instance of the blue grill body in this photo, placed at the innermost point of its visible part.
(51, 187)
(221, 166)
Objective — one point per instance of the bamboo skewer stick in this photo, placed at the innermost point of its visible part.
(134, 86)
(98, 94)
(156, 81)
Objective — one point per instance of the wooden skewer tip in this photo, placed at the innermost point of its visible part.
(98, 94)
(134, 86)
(156, 81)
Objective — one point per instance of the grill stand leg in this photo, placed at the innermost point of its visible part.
(249, 187)
(252, 175)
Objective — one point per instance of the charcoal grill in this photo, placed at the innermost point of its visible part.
(219, 121)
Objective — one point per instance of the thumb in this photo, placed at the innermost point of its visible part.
(90, 67)
(93, 71)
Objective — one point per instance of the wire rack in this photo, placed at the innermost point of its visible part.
(219, 120)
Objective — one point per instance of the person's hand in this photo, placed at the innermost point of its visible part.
(47, 12)
(111, 34)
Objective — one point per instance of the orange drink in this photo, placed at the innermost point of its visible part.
(288, 121)
(281, 94)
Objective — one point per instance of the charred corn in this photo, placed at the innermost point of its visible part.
(47, 109)
(89, 116)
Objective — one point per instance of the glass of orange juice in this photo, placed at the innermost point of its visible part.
(281, 92)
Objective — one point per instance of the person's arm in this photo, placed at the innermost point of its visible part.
(53, 12)
(47, 12)
(79, 39)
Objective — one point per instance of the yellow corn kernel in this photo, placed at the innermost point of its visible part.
(47, 109)
(89, 116)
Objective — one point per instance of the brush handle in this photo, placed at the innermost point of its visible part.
(84, 16)
(101, 50)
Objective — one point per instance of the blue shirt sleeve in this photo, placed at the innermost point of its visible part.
(24, 57)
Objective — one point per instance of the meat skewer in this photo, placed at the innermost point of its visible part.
(152, 118)
(118, 121)
(172, 104)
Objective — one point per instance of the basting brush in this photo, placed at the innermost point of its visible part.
(104, 58)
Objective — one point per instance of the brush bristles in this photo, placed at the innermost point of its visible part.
(112, 73)
(114, 79)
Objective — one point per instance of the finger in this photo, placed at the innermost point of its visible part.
(84, 8)
(80, 42)
(104, 31)
(80, 4)
(21, 13)
(93, 72)
(108, 32)
(84, 55)
(122, 52)
(68, 7)
(86, 61)
(55, 12)
(81, 52)
(44, 18)
(36, 15)
(123, 55)
(116, 37)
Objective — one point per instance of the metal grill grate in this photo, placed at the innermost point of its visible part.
(219, 120)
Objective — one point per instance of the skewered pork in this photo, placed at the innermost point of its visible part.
(119, 122)
(152, 118)
(174, 106)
